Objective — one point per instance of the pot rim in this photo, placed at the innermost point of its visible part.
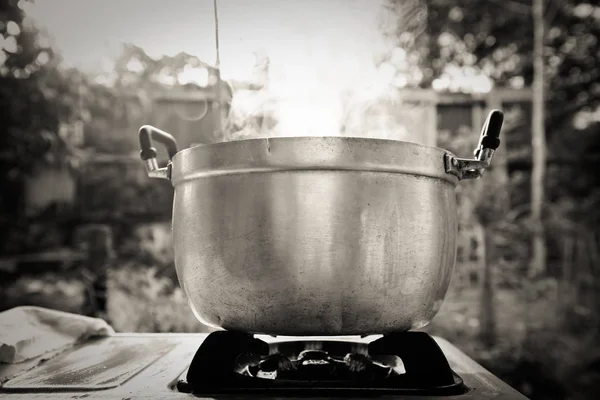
(310, 153)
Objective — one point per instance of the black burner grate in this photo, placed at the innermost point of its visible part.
(233, 362)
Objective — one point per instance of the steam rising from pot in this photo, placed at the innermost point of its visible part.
(320, 74)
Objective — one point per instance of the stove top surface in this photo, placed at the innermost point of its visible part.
(159, 366)
(400, 363)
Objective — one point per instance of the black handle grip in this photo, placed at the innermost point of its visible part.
(490, 133)
(148, 133)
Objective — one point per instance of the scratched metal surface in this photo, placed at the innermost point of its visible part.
(157, 379)
(9, 371)
(101, 364)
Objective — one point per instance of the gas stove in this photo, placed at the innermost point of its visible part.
(233, 364)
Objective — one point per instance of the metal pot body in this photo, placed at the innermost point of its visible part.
(315, 235)
(303, 236)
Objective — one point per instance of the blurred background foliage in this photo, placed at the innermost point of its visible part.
(539, 334)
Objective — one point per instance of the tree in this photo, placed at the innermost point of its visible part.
(496, 37)
(38, 98)
(538, 261)
(36, 95)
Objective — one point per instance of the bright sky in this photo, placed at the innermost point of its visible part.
(337, 32)
(317, 48)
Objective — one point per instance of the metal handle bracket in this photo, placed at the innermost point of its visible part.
(465, 168)
(148, 153)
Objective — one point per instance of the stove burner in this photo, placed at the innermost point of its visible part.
(318, 365)
(400, 363)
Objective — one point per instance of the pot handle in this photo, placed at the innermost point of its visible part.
(148, 133)
(489, 141)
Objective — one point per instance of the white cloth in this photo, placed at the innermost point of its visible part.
(28, 332)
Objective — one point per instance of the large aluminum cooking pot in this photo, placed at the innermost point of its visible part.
(315, 235)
